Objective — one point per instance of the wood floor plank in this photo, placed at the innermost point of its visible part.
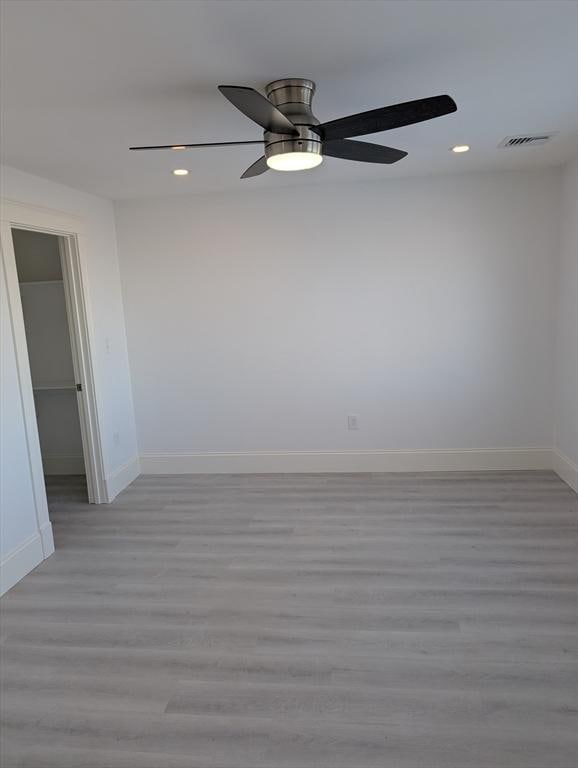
(370, 704)
(265, 742)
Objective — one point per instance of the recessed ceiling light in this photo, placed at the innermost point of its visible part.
(180, 172)
(178, 146)
(460, 148)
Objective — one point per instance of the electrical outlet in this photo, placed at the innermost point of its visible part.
(353, 421)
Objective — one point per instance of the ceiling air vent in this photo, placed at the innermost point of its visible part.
(526, 141)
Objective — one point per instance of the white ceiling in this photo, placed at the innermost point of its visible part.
(84, 79)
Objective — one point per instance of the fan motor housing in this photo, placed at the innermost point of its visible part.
(293, 98)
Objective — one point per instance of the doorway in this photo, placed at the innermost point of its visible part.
(44, 267)
(55, 384)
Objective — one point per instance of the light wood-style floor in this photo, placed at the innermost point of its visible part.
(305, 621)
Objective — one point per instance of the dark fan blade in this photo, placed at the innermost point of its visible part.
(362, 151)
(258, 167)
(386, 118)
(209, 144)
(258, 108)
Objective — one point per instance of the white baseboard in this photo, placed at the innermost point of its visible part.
(63, 465)
(122, 477)
(346, 461)
(565, 468)
(47, 539)
(20, 561)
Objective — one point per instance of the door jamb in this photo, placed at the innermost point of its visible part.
(16, 215)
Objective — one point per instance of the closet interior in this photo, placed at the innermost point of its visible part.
(42, 290)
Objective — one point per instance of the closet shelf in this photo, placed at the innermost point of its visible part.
(41, 282)
(53, 385)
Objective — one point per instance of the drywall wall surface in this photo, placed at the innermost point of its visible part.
(263, 320)
(47, 335)
(113, 384)
(566, 400)
(37, 256)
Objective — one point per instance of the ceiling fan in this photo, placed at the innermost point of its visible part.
(295, 140)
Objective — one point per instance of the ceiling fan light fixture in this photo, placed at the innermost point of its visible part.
(294, 161)
(295, 140)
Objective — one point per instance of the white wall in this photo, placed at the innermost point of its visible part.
(566, 401)
(257, 322)
(50, 356)
(25, 538)
(113, 386)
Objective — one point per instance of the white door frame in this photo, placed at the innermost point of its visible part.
(69, 228)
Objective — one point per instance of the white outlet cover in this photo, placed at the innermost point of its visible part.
(353, 421)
